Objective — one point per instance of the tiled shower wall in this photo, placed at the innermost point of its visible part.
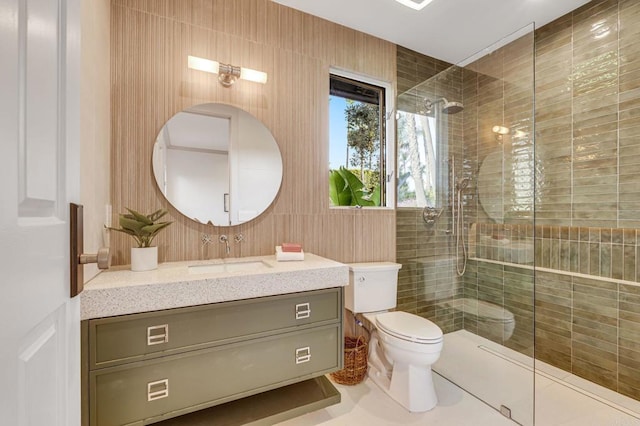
(587, 304)
(588, 116)
(428, 285)
(588, 128)
(499, 91)
(587, 301)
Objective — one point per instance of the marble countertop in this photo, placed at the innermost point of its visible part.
(119, 291)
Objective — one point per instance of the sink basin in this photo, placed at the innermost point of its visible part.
(251, 265)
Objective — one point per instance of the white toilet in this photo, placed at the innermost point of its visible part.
(403, 346)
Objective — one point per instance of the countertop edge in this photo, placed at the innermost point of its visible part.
(99, 301)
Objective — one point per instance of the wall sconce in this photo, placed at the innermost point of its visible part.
(227, 74)
(500, 131)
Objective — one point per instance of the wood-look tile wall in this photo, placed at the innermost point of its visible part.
(151, 82)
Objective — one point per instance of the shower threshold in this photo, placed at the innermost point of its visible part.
(503, 377)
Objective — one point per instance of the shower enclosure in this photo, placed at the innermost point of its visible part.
(465, 227)
(549, 301)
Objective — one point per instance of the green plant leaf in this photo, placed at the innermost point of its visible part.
(375, 196)
(354, 186)
(338, 192)
(152, 230)
(142, 228)
(157, 214)
(140, 217)
(131, 224)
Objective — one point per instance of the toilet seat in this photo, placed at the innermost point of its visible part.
(409, 327)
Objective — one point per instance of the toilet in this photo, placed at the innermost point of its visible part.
(403, 346)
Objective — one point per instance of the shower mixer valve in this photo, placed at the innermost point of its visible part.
(430, 214)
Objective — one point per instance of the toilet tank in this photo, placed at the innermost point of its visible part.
(373, 286)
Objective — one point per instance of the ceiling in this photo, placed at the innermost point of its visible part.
(451, 30)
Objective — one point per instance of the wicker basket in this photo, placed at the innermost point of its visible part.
(355, 361)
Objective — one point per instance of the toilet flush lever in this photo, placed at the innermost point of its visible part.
(361, 279)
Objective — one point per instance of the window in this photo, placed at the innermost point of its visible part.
(418, 180)
(359, 129)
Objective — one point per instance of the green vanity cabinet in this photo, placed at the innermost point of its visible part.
(146, 367)
(129, 338)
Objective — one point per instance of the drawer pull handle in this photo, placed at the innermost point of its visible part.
(303, 355)
(157, 390)
(303, 310)
(157, 334)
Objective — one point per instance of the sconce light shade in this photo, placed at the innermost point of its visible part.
(202, 64)
(253, 75)
(500, 130)
(227, 74)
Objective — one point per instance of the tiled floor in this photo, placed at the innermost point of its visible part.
(367, 405)
(501, 377)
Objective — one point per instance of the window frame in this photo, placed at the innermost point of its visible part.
(387, 146)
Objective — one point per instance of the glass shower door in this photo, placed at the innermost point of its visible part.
(466, 166)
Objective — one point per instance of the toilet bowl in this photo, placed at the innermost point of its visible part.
(403, 346)
(402, 349)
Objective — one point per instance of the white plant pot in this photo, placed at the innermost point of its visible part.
(144, 258)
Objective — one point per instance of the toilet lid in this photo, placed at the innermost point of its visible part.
(406, 326)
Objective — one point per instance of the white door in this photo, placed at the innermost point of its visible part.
(39, 166)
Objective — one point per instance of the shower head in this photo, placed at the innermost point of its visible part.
(452, 107)
(447, 107)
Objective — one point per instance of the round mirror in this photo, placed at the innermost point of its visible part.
(506, 184)
(491, 186)
(217, 164)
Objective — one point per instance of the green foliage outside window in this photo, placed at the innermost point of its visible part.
(346, 189)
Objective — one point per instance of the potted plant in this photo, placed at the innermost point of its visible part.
(143, 229)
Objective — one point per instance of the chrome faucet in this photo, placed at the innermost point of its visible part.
(225, 240)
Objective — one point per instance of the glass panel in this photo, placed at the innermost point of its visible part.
(467, 172)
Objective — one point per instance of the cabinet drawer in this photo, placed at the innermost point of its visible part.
(149, 335)
(143, 392)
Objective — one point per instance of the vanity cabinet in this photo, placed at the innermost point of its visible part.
(146, 367)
